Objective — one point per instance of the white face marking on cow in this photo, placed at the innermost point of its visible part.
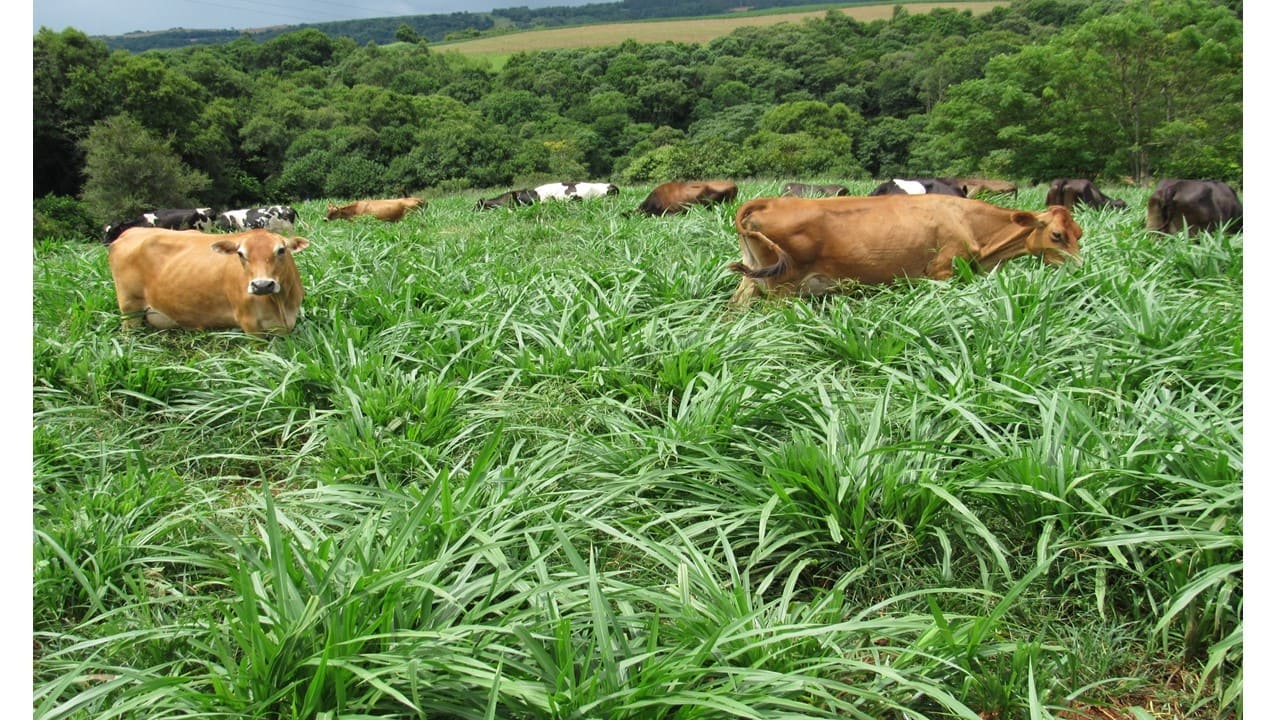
(151, 218)
(910, 187)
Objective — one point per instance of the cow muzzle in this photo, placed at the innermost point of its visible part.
(263, 286)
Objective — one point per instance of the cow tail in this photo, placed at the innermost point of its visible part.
(780, 267)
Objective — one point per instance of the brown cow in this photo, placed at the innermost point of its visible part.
(676, 197)
(187, 279)
(1069, 192)
(388, 210)
(1196, 205)
(803, 190)
(975, 186)
(809, 246)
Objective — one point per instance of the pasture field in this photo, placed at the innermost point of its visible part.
(693, 30)
(529, 464)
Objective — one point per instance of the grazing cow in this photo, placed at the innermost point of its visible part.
(389, 210)
(676, 197)
(1196, 205)
(810, 246)
(1069, 192)
(918, 186)
(803, 190)
(574, 190)
(275, 217)
(507, 199)
(186, 279)
(169, 218)
(975, 186)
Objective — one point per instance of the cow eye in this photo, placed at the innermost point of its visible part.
(1058, 238)
(279, 251)
(240, 252)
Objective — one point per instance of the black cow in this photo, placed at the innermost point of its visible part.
(1068, 192)
(803, 190)
(508, 199)
(917, 186)
(169, 218)
(272, 217)
(1196, 205)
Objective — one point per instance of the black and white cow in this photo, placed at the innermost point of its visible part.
(169, 218)
(273, 217)
(508, 199)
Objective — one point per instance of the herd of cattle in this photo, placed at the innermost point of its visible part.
(811, 239)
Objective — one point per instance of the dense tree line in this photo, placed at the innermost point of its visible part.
(442, 26)
(1041, 88)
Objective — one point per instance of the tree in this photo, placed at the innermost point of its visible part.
(57, 59)
(406, 34)
(129, 170)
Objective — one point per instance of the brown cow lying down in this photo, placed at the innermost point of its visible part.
(389, 210)
(188, 279)
(975, 186)
(812, 245)
(1196, 205)
(676, 197)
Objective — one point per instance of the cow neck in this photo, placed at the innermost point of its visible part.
(1008, 241)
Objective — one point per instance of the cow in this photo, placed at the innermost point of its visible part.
(676, 197)
(187, 279)
(1194, 205)
(1069, 192)
(508, 199)
(975, 186)
(274, 217)
(803, 190)
(811, 246)
(169, 218)
(917, 186)
(390, 210)
(574, 190)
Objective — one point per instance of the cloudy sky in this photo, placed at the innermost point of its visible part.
(117, 17)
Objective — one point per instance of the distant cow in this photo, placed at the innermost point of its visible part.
(1068, 192)
(975, 186)
(186, 279)
(574, 190)
(917, 186)
(507, 199)
(169, 218)
(272, 217)
(1196, 205)
(389, 210)
(676, 197)
(807, 246)
(803, 190)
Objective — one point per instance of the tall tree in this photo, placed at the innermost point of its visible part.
(129, 170)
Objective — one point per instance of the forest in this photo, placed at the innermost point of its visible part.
(441, 26)
(1118, 90)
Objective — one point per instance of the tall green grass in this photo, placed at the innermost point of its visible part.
(530, 464)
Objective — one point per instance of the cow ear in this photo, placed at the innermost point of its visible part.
(1026, 219)
(226, 247)
(298, 244)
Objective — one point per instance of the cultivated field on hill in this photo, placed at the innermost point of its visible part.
(529, 464)
(699, 30)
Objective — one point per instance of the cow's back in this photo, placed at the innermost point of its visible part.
(1193, 205)
(175, 272)
(876, 239)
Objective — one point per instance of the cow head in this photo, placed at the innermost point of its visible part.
(333, 212)
(267, 258)
(1054, 235)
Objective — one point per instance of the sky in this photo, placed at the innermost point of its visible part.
(118, 17)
